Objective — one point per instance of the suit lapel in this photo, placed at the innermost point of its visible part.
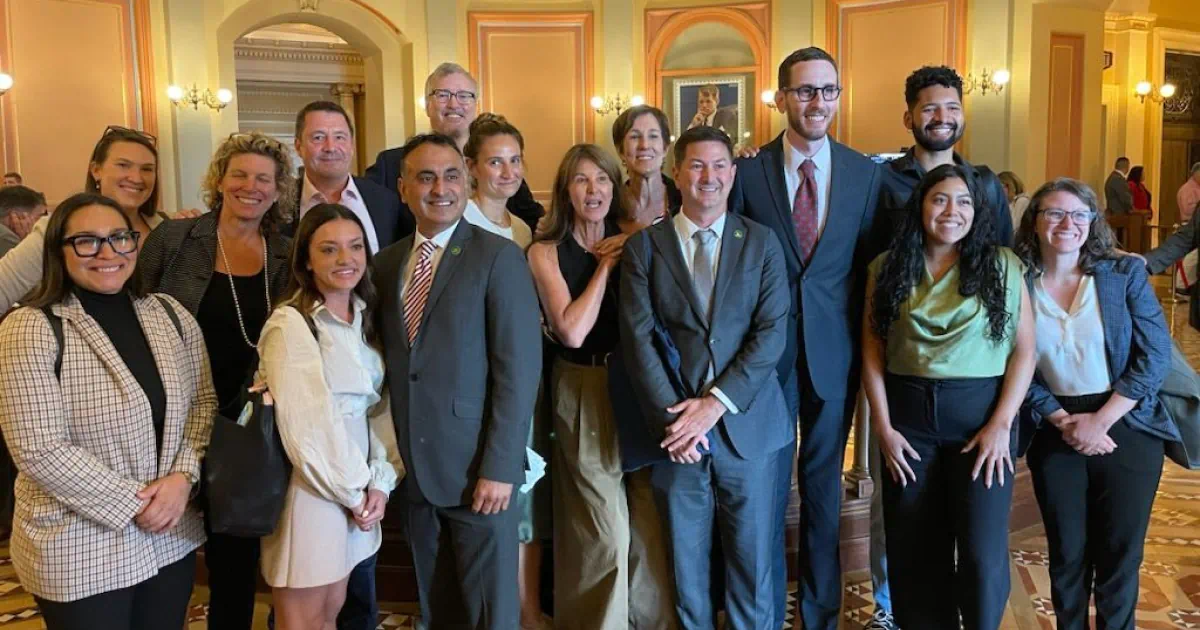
(446, 268)
(732, 241)
(665, 240)
(773, 162)
(841, 217)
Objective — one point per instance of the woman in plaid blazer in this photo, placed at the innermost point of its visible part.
(107, 427)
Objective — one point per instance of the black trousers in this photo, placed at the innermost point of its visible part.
(466, 566)
(1096, 511)
(233, 569)
(944, 514)
(160, 602)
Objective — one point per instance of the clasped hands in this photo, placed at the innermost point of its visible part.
(684, 436)
(163, 503)
(1087, 433)
(368, 513)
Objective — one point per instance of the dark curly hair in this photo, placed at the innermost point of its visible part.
(979, 266)
(1100, 243)
(928, 76)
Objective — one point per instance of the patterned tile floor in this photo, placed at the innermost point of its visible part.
(1170, 584)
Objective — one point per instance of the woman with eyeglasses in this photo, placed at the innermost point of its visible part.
(106, 402)
(1103, 350)
(227, 267)
(124, 168)
(947, 358)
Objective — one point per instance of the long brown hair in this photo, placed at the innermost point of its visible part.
(561, 219)
(112, 135)
(302, 293)
(256, 143)
(1099, 244)
(56, 283)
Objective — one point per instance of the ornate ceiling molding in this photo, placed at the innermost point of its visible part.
(1119, 22)
(271, 53)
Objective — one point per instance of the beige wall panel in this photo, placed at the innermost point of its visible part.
(536, 73)
(73, 65)
(1065, 114)
(874, 67)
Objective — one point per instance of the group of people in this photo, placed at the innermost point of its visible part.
(424, 332)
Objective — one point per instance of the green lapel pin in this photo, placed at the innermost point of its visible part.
(456, 250)
(738, 233)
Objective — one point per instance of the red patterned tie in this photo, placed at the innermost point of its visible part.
(418, 290)
(804, 211)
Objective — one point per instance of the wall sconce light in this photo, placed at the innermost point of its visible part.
(192, 96)
(1146, 88)
(605, 105)
(985, 82)
(6, 82)
(768, 98)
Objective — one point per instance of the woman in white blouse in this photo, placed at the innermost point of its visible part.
(495, 155)
(320, 361)
(124, 168)
(1103, 350)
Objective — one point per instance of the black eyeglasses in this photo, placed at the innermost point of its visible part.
(88, 245)
(806, 93)
(1078, 217)
(126, 131)
(442, 97)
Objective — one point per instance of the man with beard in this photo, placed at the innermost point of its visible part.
(452, 103)
(820, 198)
(935, 117)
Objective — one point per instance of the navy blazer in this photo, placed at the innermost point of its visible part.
(1137, 343)
(827, 294)
(392, 219)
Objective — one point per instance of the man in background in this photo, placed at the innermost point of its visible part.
(20, 208)
(1188, 196)
(13, 178)
(1117, 197)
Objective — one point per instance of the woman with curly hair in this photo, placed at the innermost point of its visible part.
(1103, 350)
(227, 267)
(948, 351)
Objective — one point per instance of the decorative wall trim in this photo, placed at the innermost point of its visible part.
(1064, 133)
(294, 55)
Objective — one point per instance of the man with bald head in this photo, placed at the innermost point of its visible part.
(451, 103)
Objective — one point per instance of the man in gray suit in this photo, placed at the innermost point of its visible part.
(1117, 197)
(459, 320)
(717, 282)
(20, 208)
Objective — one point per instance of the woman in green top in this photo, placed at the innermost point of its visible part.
(948, 352)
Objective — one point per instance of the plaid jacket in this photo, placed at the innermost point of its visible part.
(84, 444)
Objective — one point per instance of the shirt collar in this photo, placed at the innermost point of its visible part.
(908, 163)
(441, 239)
(795, 158)
(310, 192)
(1123, 175)
(357, 306)
(686, 229)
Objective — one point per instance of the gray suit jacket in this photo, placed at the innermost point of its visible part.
(463, 395)
(1117, 197)
(743, 339)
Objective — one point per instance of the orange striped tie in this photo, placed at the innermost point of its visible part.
(418, 290)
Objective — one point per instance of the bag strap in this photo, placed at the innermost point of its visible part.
(56, 326)
(170, 313)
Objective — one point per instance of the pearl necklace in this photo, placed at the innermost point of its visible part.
(233, 289)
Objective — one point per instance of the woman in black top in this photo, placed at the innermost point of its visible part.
(609, 572)
(107, 403)
(227, 267)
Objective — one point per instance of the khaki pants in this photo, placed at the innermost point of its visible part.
(610, 555)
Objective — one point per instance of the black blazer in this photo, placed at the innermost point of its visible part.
(393, 220)
(386, 172)
(463, 395)
(825, 320)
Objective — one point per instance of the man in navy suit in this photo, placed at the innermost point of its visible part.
(452, 104)
(820, 198)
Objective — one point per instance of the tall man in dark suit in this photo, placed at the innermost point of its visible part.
(460, 325)
(718, 284)
(1117, 196)
(325, 141)
(820, 198)
(452, 103)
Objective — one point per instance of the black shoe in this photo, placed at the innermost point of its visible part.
(881, 620)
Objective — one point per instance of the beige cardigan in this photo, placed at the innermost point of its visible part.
(86, 445)
(21, 266)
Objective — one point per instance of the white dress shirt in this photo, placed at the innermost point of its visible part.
(351, 198)
(684, 229)
(441, 239)
(1070, 346)
(792, 159)
(517, 231)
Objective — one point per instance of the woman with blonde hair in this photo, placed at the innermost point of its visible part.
(227, 267)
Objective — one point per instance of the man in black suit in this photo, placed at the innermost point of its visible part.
(452, 103)
(459, 319)
(325, 141)
(935, 117)
(820, 198)
(1117, 196)
(718, 284)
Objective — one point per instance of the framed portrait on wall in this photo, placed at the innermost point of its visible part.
(715, 101)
